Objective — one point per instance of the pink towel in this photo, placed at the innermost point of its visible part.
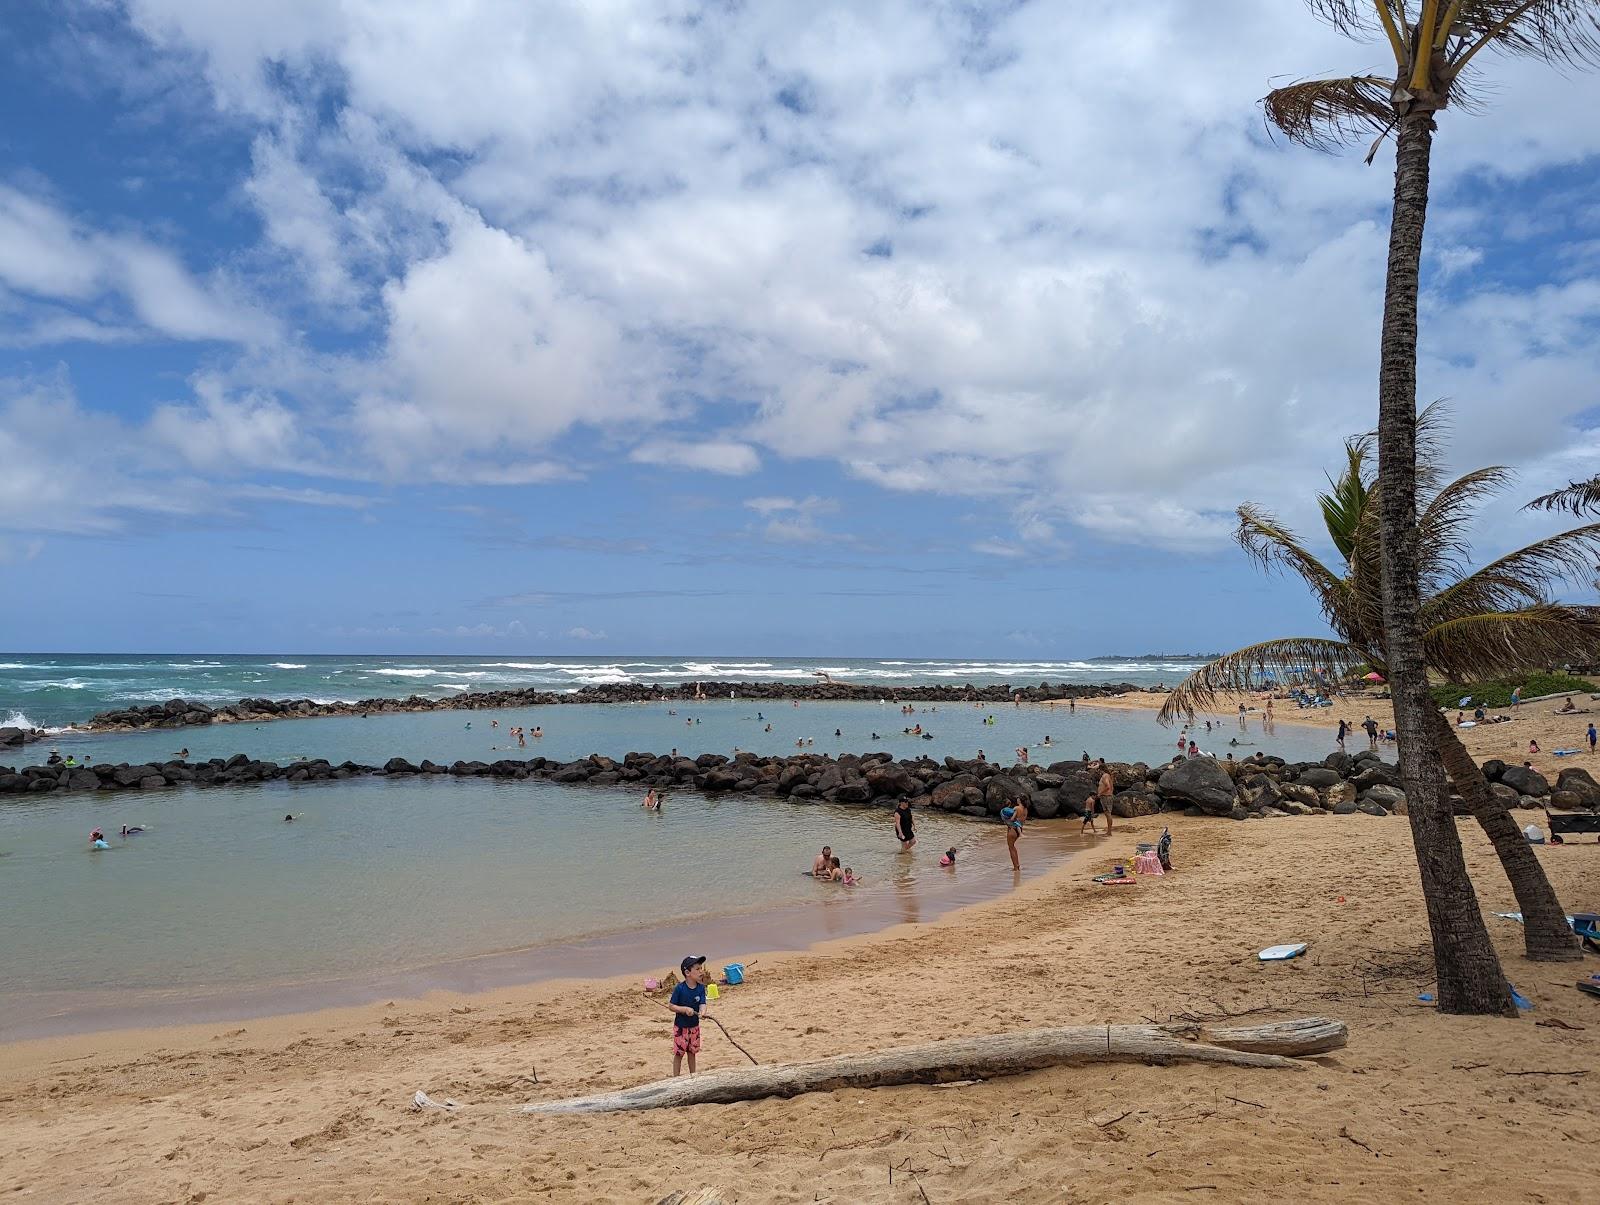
(1148, 863)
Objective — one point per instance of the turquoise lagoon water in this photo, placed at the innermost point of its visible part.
(716, 726)
(384, 888)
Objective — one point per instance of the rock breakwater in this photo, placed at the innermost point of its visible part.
(183, 713)
(1340, 784)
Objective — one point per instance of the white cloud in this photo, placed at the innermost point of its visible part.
(46, 254)
(794, 520)
(910, 239)
(584, 634)
(713, 456)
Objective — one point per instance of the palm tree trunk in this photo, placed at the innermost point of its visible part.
(1545, 932)
(1469, 976)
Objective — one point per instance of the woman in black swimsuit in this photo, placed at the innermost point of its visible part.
(903, 826)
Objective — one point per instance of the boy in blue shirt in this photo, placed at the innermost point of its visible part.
(689, 1003)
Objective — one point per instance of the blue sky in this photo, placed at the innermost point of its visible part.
(849, 330)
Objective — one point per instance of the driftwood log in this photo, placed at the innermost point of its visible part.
(988, 1057)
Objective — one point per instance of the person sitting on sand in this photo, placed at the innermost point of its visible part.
(821, 863)
(1533, 747)
(1567, 707)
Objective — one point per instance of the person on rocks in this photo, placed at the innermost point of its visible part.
(904, 826)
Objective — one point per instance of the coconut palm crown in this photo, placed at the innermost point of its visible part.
(1493, 621)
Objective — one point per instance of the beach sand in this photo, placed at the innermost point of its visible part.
(1539, 721)
(317, 1107)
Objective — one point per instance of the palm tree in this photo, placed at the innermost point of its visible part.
(1433, 43)
(1493, 621)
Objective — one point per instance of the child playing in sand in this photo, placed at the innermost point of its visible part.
(689, 1003)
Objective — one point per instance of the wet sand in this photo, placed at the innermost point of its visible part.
(317, 1107)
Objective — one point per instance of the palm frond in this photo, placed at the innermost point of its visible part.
(1521, 579)
(1510, 642)
(1243, 670)
(1579, 498)
(1326, 114)
(1353, 18)
(1442, 527)
(1346, 499)
(1563, 32)
(1273, 546)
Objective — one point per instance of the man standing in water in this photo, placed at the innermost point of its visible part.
(903, 826)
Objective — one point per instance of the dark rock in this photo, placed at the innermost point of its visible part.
(1339, 762)
(1320, 777)
(1372, 808)
(854, 791)
(1202, 782)
(151, 781)
(1526, 781)
(1493, 768)
(1348, 807)
(1376, 774)
(1566, 801)
(1384, 796)
(1581, 783)
(399, 765)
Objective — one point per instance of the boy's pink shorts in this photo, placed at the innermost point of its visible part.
(686, 1041)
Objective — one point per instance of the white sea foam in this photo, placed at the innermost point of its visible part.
(523, 665)
(403, 673)
(17, 719)
(21, 665)
(286, 665)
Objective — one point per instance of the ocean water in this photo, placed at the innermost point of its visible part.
(384, 888)
(52, 691)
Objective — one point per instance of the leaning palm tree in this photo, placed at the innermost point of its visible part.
(1433, 43)
(1493, 621)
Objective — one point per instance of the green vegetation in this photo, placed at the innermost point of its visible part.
(1497, 692)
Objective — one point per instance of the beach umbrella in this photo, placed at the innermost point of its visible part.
(1374, 677)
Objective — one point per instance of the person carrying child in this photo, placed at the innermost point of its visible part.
(689, 1003)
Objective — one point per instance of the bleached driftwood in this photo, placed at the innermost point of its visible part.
(700, 1196)
(986, 1057)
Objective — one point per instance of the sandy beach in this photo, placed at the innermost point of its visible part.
(317, 1107)
(1541, 721)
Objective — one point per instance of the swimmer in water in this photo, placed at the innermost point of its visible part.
(289, 819)
(184, 752)
(97, 840)
(129, 829)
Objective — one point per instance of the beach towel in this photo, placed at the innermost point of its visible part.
(1565, 752)
(1111, 880)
